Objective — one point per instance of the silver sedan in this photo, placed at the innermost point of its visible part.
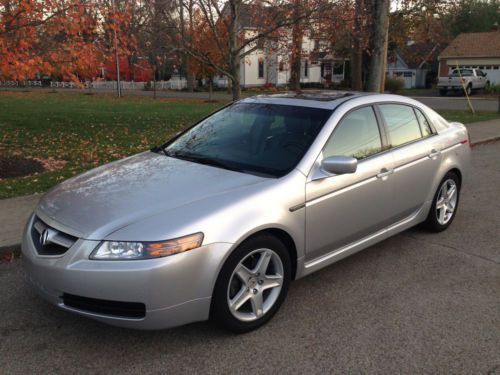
(216, 222)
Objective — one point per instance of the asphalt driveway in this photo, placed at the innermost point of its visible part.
(416, 303)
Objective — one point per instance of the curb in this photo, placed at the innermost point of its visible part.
(15, 249)
(485, 141)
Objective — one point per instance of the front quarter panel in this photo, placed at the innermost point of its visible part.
(232, 217)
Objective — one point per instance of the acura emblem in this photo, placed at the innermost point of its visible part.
(45, 237)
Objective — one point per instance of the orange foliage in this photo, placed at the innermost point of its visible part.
(66, 38)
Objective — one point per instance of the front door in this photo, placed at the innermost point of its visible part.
(341, 209)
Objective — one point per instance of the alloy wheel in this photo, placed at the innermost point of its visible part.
(255, 285)
(446, 202)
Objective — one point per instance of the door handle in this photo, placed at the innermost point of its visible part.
(434, 153)
(384, 172)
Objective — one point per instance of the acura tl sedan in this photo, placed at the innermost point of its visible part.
(219, 220)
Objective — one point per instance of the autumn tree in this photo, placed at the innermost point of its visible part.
(64, 38)
(232, 41)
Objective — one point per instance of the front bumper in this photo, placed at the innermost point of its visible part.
(175, 290)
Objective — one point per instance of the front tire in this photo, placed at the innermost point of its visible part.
(442, 92)
(445, 204)
(252, 284)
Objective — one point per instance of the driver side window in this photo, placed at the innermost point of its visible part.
(357, 135)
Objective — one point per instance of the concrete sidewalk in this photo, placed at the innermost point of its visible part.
(484, 131)
(15, 212)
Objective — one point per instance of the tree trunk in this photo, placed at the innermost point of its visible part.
(295, 65)
(379, 27)
(357, 50)
(210, 89)
(234, 63)
(235, 90)
(384, 65)
(154, 85)
(189, 74)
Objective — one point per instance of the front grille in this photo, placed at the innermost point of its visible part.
(104, 307)
(48, 240)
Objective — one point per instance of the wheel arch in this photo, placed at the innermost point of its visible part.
(281, 235)
(457, 172)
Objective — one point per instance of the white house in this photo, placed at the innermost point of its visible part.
(411, 63)
(270, 64)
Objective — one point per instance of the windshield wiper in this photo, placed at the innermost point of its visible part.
(162, 149)
(203, 160)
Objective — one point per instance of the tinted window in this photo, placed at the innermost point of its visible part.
(254, 138)
(462, 72)
(401, 122)
(424, 124)
(357, 135)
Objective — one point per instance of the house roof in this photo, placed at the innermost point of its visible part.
(474, 45)
(417, 54)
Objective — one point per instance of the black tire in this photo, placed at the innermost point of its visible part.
(220, 312)
(469, 89)
(442, 92)
(431, 223)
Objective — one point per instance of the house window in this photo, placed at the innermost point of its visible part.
(261, 67)
(306, 68)
(281, 66)
(338, 68)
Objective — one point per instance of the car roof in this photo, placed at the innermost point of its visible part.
(310, 98)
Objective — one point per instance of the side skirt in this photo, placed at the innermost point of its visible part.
(338, 254)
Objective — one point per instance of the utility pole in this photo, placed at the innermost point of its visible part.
(118, 88)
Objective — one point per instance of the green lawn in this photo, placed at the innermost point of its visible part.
(467, 117)
(85, 131)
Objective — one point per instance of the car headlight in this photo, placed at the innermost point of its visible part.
(118, 250)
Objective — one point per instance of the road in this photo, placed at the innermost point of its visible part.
(438, 103)
(415, 303)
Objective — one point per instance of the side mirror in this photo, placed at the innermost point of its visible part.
(339, 164)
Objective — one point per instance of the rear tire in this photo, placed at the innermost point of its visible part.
(445, 204)
(469, 89)
(252, 284)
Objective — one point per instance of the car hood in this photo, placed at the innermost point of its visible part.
(115, 195)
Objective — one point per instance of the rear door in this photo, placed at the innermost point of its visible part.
(416, 152)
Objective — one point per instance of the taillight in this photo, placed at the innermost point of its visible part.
(467, 140)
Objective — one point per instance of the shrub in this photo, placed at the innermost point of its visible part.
(492, 89)
(394, 85)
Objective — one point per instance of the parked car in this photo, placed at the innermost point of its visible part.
(219, 220)
(463, 79)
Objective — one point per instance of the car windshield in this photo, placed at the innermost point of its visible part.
(462, 72)
(257, 138)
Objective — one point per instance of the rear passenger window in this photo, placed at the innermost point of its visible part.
(424, 124)
(357, 135)
(401, 122)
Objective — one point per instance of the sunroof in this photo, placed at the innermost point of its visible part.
(324, 96)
